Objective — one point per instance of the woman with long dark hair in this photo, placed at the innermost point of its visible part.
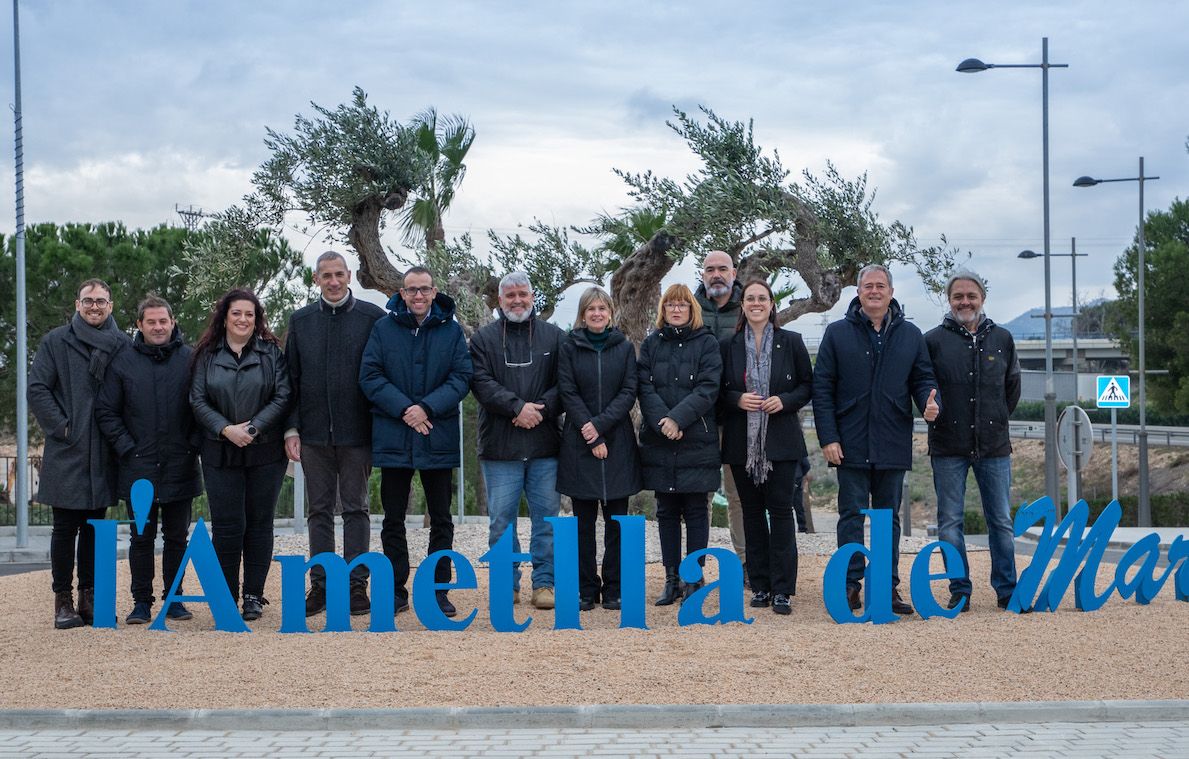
(679, 368)
(598, 462)
(766, 379)
(240, 396)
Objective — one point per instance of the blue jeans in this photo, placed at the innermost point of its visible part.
(865, 488)
(993, 476)
(537, 480)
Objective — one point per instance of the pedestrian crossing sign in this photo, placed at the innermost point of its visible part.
(1114, 391)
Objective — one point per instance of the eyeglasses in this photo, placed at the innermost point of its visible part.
(677, 305)
(91, 302)
(504, 345)
(417, 290)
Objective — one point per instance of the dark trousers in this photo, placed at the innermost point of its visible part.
(243, 504)
(589, 584)
(72, 536)
(337, 474)
(768, 527)
(394, 494)
(799, 495)
(175, 528)
(671, 508)
(865, 488)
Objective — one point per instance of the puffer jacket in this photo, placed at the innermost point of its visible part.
(598, 387)
(406, 364)
(679, 370)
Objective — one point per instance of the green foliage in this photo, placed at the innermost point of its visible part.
(1168, 510)
(1166, 258)
(624, 233)
(337, 160)
(974, 522)
(135, 263)
(551, 259)
(444, 143)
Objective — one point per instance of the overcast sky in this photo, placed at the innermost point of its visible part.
(131, 107)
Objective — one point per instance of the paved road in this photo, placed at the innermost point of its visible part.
(1166, 740)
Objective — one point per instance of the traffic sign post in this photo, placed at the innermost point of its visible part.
(1114, 392)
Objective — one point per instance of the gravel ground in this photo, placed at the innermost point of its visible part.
(1124, 651)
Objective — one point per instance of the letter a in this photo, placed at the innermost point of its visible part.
(200, 553)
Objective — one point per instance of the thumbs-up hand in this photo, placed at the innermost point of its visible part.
(931, 407)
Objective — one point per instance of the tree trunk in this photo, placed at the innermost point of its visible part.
(636, 285)
(376, 272)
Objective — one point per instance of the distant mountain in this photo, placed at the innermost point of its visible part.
(1030, 325)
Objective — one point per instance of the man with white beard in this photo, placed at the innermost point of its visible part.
(978, 374)
(515, 382)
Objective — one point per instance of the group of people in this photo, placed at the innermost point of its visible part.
(719, 385)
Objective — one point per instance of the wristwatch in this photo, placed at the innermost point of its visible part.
(252, 430)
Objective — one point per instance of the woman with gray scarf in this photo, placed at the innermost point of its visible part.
(766, 379)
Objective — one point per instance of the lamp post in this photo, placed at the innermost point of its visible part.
(1073, 257)
(1145, 506)
(972, 66)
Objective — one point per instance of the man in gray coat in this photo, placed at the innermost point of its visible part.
(330, 427)
(78, 471)
(719, 295)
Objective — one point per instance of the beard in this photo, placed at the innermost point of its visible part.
(718, 289)
(520, 318)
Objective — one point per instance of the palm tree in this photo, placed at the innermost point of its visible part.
(443, 143)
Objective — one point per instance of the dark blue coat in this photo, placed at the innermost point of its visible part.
(405, 364)
(863, 398)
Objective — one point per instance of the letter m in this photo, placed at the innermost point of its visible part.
(1081, 555)
(338, 591)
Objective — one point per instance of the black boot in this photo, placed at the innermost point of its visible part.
(65, 616)
(672, 589)
(86, 605)
(689, 588)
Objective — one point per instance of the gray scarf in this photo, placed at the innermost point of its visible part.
(756, 380)
(102, 342)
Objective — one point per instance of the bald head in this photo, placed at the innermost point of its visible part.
(718, 275)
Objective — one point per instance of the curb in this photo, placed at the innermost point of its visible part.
(604, 716)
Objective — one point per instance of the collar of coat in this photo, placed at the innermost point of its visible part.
(684, 332)
(441, 311)
(854, 313)
(984, 325)
(158, 352)
(251, 356)
(347, 304)
(614, 337)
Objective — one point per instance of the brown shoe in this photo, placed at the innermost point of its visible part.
(65, 616)
(854, 598)
(899, 605)
(543, 598)
(86, 605)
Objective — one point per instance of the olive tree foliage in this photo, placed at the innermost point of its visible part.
(740, 200)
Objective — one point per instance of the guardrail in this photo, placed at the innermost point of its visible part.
(1169, 437)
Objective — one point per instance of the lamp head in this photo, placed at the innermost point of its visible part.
(1028, 254)
(972, 66)
(1086, 182)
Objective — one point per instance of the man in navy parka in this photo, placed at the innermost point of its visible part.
(415, 371)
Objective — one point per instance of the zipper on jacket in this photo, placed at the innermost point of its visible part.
(602, 461)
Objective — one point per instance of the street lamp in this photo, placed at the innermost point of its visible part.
(1145, 506)
(972, 66)
(1073, 257)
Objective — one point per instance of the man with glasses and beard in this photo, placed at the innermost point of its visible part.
(515, 382)
(78, 473)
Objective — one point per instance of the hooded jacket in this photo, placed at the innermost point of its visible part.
(862, 398)
(598, 387)
(516, 363)
(679, 370)
(143, 410)
(979, 376)
(427, 364)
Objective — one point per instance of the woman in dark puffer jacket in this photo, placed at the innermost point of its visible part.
(679, 367)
